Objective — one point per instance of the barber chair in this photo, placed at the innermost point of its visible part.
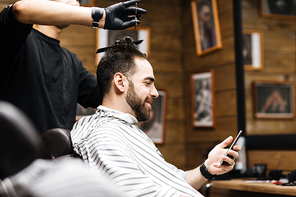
(23, 173)
(19, 140)
(20, 144)
(56, 143)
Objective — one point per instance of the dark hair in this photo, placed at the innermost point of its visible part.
(118, 58)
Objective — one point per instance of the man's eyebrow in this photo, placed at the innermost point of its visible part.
(150, 78)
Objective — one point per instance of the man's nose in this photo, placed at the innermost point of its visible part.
(154, 92)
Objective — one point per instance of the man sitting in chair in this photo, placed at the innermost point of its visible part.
(110, 141)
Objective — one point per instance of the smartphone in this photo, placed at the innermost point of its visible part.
(231, 146)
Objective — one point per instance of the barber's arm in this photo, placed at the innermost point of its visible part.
(212, 165)
(117, 16)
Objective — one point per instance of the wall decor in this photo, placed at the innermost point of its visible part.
(155, 126)
(203, 101)
(282, 9)
(253, 49)
(206, 26)
(87, 3)
(106, 38)
(273, 99)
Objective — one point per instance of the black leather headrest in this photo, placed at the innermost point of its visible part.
(19, 140)
(56, 143)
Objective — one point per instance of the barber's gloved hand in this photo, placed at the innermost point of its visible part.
(119, 16)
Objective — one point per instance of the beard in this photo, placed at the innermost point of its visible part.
(137, 105)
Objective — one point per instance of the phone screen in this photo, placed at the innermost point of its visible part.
(231, 146)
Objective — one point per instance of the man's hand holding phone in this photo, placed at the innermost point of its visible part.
(214, 163)
(231, 148)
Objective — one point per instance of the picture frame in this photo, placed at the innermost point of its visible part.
(206, 26)
(155, 126)
(274, 99)
(253, 49)
(203, 100)
(280, 9)
(106, 38)
(87, 3)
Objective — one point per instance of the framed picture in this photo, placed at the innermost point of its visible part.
(203, 101)
(155, 126)
(273, 99)
(253, 49)
(81, 111)
(106, 38)
(87, 3)
(206, 26)
(282, 9)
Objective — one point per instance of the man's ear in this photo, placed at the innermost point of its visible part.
(120, 82)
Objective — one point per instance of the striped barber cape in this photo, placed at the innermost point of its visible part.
(111, 142)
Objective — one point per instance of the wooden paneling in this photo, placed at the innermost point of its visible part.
(219, 57)
(78, 35)
(225, 77)
(174, 153)
(174, 132)
(226, 103)
(279, 65)
(224, 127)
(5, 3)
(224, 6)
(227, 20)
(275, 63)
(165, 61)
(171, 82)
(276, 160)
(198, 152)
(200, 140)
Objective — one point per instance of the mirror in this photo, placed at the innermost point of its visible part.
(272, 133)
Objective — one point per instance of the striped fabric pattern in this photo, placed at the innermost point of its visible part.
(61, 177)
(111, 142)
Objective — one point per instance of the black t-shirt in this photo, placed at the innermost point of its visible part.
(41, 78)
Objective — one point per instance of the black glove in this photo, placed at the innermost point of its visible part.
(118, 16)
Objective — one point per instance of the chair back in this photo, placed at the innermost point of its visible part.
(56, 143)
(19, 140)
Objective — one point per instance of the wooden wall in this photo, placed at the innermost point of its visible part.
(5, 3)
(199, 140)
(279, 65)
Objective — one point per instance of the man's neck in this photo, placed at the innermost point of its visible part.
(117, 103)
(50, 31)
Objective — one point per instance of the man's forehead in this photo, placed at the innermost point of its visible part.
(144, 69)
(143, 64)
